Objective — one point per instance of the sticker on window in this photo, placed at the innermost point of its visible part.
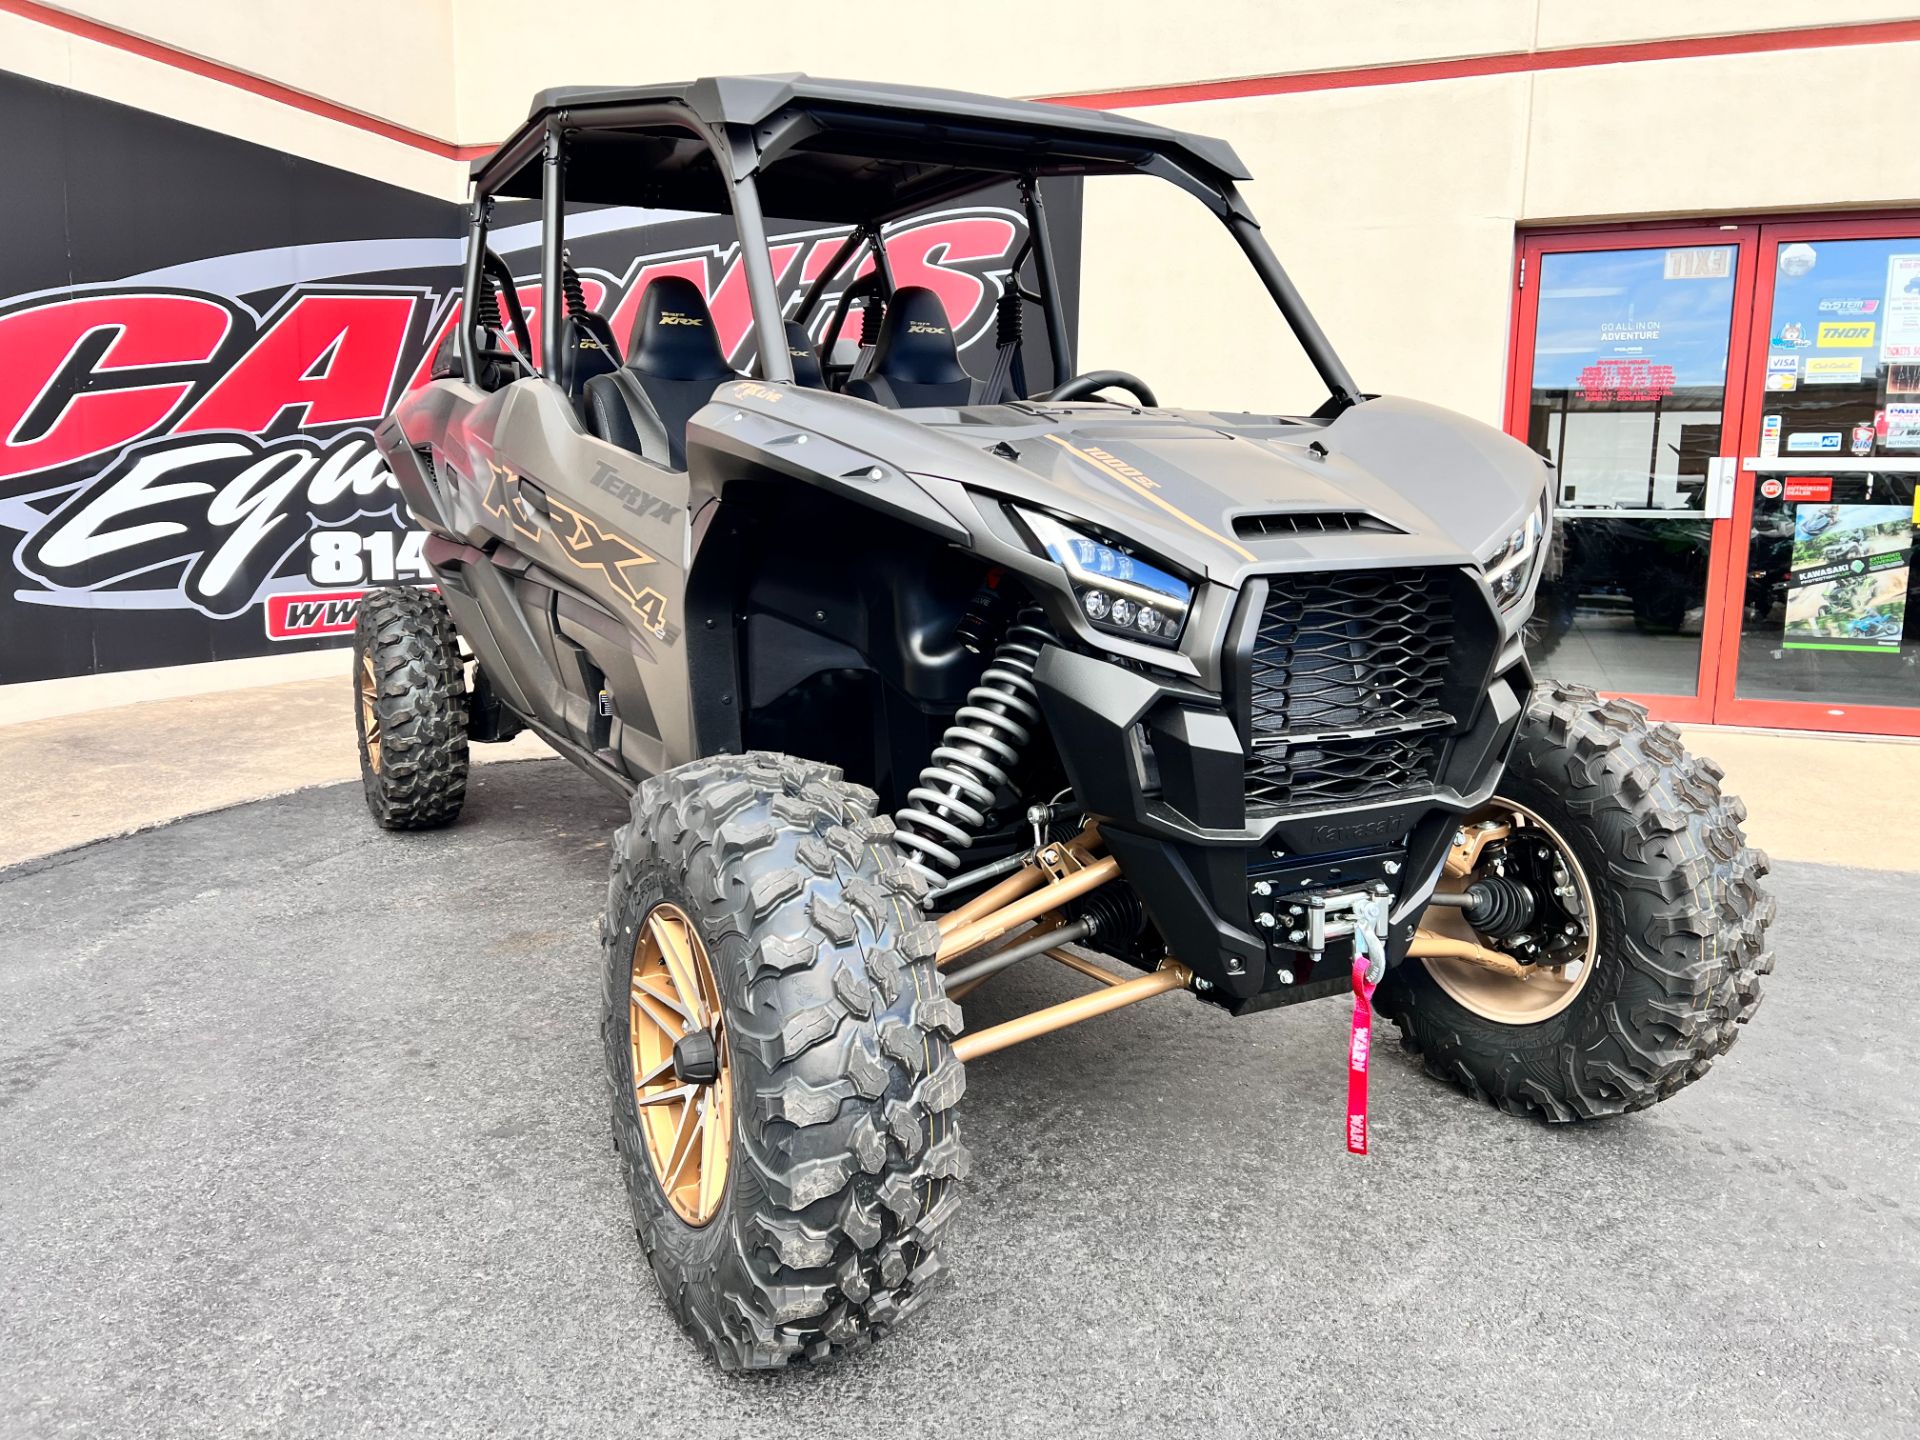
(1833, 370)
(1900, 335)
(1847, 589)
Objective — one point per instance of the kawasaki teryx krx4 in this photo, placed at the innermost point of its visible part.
(915, 670)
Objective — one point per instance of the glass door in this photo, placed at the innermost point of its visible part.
(1816, 615)
(1622, 381)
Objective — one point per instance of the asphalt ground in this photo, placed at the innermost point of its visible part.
(303, 1131)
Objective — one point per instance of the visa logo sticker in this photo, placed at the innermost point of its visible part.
(1845, 334)
(1820, 440)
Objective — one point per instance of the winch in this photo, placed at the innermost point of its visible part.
(1317, 915)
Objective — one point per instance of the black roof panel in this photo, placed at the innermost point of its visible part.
(860, 150)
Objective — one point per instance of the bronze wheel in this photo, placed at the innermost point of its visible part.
(1642, 948)
(409, 709)
(682, 1081)
(1545, 990)
(783, 1093)
(370, 711)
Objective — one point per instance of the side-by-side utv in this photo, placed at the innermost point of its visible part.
(915, 672)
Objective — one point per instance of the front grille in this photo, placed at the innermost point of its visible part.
(1345, 688)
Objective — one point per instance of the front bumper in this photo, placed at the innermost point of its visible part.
(1163, 765)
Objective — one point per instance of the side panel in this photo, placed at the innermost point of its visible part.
(608, 532)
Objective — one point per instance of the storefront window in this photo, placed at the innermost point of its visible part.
(1831, 556)
(1629, 386)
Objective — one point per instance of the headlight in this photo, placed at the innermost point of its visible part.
(1511, 570)
(1119, 593)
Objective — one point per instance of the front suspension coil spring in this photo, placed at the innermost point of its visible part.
(972, 763)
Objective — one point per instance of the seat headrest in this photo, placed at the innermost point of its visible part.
(916, 341)
(674, 337)
(806, 359)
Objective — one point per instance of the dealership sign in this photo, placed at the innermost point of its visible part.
(228, 455)
(187, 468)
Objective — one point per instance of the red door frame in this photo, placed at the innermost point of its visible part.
(1759, 243)
(1696, 708)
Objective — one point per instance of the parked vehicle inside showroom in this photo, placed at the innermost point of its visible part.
(914, 674)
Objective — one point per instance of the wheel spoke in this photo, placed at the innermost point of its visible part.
(660, 990)
(687, 1127)
(654, 1076)
(685, 1141)
(677, 954)
(713, 1139)
(661, 1097)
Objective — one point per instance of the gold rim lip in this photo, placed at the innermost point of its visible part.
(687, 1128)
(369, 686)
(1511, 999)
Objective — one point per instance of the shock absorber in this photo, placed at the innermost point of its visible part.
(947, 810)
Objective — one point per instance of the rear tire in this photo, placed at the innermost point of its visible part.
(1681, 919)
(839, 1079)
(410, 710)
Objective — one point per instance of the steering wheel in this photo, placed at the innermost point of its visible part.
(1081, 386)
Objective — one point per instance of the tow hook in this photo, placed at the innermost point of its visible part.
(1362, 915)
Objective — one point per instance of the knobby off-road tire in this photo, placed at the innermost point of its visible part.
(1682, 923)
(845, 1156)
(410, 709)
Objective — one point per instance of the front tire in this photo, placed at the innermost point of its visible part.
(1679, 926)
(410, 710)
(831, 1035)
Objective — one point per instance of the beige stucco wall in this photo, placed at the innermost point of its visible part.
(364, 54)
(43, 53)
(1394, 206)
(462, 69)
(1404, 246)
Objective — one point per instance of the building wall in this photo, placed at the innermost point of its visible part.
(318, 49)
(1395, 207)
(1393, 204)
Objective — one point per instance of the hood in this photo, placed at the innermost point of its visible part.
(1390, 482)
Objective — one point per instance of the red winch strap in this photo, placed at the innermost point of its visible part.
(1357, 1053)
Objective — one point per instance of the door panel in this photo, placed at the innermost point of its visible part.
(1735, 547)
(608, 531)
(1821, 635)
(1625, 390)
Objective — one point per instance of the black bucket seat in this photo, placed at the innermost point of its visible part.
(806, 359)
(674, 364)
(587, 346)
(915, 362)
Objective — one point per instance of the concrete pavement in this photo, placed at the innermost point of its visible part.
(304, 1133)
(67, 778)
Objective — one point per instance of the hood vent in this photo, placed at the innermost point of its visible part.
(1311, 522)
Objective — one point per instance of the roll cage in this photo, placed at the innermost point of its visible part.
(844, 153)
